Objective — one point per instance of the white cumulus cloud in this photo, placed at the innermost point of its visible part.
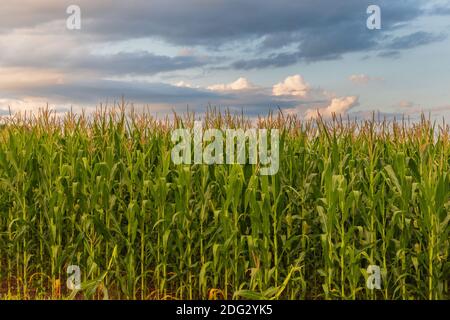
(337, 106)
(239, 84)
(291, 86)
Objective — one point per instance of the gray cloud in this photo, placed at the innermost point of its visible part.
(274, 60)
(324, 29)
(75, 58)
(94, 91)
(440, 9)
(314, 30)
(334, 42)
(197, 22)
(416, 39)
(89, 93)
(136, 63)
(338, 42)
(392, 54)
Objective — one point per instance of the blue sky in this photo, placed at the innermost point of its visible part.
(300, 56)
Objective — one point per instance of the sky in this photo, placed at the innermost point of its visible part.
(300, 56)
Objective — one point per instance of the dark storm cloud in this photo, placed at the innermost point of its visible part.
(214, 23)
(334, 43)
(330, 41)
(331, 44)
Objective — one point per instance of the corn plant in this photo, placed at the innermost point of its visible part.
(100, 191)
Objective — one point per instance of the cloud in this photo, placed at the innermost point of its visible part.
(239, 84)
(291, 86)
(184, 84)
(334, 44)
(186, 52)
(76, 58)
(93, 91)
(274, 60)
(86, 92)
(363, 79)
(14, 78)
(390, 54)
(62, 93)
(320, 30)
(143, 63)
(415, 39)
(359, 78)
(279, 40)
(338, 106)
(440, 9)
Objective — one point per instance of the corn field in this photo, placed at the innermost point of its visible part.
(102, 193)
